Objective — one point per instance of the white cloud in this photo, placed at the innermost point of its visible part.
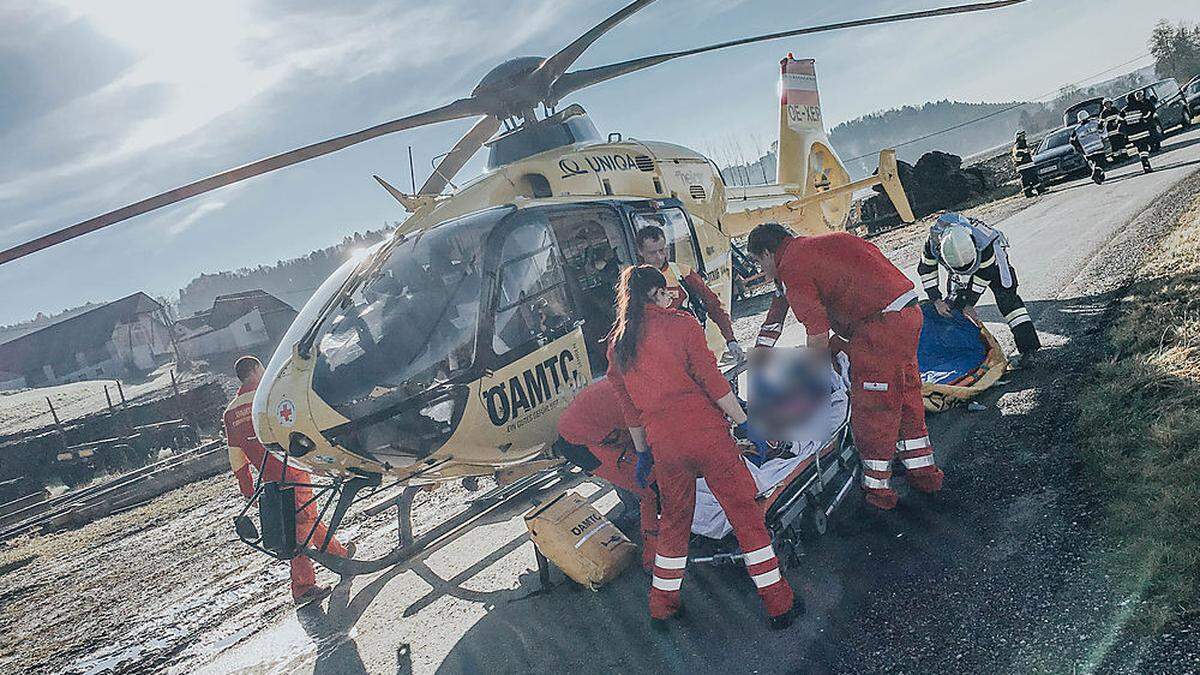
(212, 60)
(196, 213)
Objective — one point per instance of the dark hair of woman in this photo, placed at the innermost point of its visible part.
(633, 294)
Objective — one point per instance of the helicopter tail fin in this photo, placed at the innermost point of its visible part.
(807, 162)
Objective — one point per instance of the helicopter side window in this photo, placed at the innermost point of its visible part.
(681, 245)
(531, 301)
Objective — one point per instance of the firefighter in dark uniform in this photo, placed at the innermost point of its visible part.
(1138, 120)
(1110, 122)
(1022, 156)
(977, 259)
(1088, 140)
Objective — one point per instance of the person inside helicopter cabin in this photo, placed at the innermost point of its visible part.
(687, 288)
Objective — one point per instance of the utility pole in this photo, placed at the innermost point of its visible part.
(170, 322)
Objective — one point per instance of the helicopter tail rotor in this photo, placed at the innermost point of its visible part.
(889, 178)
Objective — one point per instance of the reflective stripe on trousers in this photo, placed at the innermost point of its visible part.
(1017, 317)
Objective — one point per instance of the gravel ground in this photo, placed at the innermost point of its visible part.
(160, 587)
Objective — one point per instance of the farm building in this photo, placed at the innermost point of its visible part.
(251, 322)
(123, 338)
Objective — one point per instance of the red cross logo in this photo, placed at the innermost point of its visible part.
(286, 410)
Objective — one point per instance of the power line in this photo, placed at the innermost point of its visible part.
(1010, 108)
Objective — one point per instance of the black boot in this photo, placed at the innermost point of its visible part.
(1024, 360)
(785, 620)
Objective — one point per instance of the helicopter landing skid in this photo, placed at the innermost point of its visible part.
(410, 546)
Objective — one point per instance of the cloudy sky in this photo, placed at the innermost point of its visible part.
(104, 103)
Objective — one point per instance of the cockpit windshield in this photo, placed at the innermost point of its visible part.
(410, 324)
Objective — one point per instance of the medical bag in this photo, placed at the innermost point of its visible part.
(582, 543)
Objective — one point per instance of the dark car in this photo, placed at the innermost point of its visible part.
(1170, 108)
(1056, 159)
(1191, 94)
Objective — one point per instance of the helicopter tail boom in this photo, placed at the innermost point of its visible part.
(808, 168)
(792, 212)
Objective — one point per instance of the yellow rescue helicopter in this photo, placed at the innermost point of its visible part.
(447, 351)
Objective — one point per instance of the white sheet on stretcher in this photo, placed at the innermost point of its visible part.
(710, 521)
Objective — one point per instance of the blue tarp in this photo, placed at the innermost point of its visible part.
(949, 348)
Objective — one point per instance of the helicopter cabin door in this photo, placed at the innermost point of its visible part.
(594, 252)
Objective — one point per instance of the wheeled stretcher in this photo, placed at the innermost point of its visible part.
(797, 490)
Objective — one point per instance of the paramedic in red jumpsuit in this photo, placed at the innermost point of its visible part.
(689, 291)
(842, 282)
(594, 421)
(244, 450)
(678, 405)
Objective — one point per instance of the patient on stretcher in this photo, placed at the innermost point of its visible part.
(805, 440)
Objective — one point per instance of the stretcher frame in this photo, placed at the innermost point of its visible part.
(799, 506)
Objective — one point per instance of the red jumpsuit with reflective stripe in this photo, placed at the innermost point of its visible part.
(594, 419)
(671, 389)
(772, 326)
(842, 282)
(244, 450)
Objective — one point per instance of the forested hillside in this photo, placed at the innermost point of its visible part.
(955, 127)
(292, 281)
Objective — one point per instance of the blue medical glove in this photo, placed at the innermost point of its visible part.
(761, 447)
(645, 464)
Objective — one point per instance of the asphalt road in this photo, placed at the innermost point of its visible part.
(1001, 574)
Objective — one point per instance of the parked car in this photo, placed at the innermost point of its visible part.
(1170, 107)
(1056, 159)
(1191, 94)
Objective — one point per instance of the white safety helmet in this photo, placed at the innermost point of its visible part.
(957, 249)
(1083, 116)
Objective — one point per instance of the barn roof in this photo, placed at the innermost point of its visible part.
(84, 332)
(230, 307)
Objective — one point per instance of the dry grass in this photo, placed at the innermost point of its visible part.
(1139, 424)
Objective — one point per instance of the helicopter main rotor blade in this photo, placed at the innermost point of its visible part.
(556, 65)
(459, 155)
(576, 80)
(463, 107)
